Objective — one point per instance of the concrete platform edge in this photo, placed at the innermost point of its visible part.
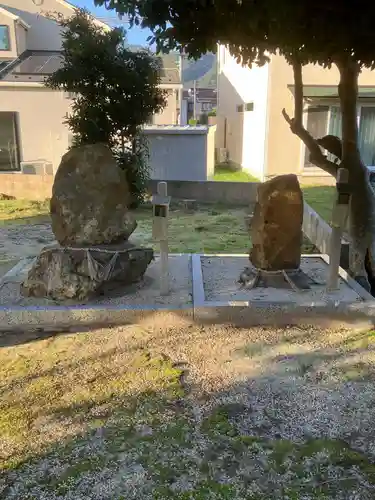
(240, 313)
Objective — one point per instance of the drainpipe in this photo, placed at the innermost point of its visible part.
(217, 78)
(181, 91)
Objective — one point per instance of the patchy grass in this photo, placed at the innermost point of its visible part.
(210, 229)
(95, 415)
(225, 174)
(11, 210)
(320, 198)
(52, 391)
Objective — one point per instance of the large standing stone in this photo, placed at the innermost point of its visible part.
(276, 231)
(77, 274)
(90, 198)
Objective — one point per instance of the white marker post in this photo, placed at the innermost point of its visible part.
(161, 203)
(339, 217)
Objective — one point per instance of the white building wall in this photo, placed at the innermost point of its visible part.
(243, 133)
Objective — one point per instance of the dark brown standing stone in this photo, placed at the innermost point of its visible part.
(90, 199)
(276, 228)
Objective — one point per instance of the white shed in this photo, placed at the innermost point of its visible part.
(181, 153)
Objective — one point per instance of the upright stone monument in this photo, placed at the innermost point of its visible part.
(92, 223)
(276, 234)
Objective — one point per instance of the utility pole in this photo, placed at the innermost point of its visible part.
(195, 100)
(181, 91)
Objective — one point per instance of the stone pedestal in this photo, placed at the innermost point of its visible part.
(62, 273)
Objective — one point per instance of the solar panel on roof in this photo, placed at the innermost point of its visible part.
(39, 63)
(52, 65)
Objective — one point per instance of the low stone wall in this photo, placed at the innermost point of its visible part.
(26, 186)
(228, 193)
(316, 229)
(319, 233)
(39, 187)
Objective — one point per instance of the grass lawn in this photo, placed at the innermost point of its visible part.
(22, 209)
(210, 230)
(224, 174)
(180, 411)
(320, 198)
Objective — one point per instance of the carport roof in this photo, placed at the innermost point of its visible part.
(331, 91)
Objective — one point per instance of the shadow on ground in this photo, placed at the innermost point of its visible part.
(191, 412)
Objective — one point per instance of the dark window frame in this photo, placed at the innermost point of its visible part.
(321, 109)
(9, 40)
(16, 137)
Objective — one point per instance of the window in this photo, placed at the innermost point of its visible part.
(4, 38)
(9, 153)
(249, 106)
(317, 119)
(206, 106)
(323, 120)
(367, 135)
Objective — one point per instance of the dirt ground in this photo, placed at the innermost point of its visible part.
(176, 410)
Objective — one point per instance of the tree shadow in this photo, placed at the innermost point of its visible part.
(280, 406)
(33, 220)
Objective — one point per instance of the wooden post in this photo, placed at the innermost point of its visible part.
(339, 218)
(160, 233)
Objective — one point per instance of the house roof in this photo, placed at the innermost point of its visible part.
(331, 91)
(12, 16)
(170, 73)
(72, 7)
(34, 66)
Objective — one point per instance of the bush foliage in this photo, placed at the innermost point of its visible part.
(114, 92)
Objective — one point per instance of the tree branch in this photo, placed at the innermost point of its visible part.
(296, 124)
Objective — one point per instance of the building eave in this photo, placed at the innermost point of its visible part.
(15, 18)
(72, 7)
(4, 83)
(171, 85)
(22, 84)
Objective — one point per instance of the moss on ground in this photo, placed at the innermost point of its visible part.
(22, 210)
(98, 416)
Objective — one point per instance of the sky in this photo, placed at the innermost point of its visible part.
(135, 36)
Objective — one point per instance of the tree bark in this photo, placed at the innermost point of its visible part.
(362, 203)
(296, 124)
(362, 200)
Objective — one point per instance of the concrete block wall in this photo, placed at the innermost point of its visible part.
(26, 186)
(227, 193)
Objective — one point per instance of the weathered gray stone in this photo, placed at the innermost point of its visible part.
(90, 198)
(276, 228)
(70, 273)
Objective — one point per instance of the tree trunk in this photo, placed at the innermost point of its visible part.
(362, 200)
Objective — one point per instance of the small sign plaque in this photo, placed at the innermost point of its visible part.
(160, 210)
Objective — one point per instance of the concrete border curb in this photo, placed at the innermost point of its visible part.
(242, 313)
(246, 313)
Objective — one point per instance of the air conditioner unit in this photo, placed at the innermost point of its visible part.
(223, 155)
(37, 167)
